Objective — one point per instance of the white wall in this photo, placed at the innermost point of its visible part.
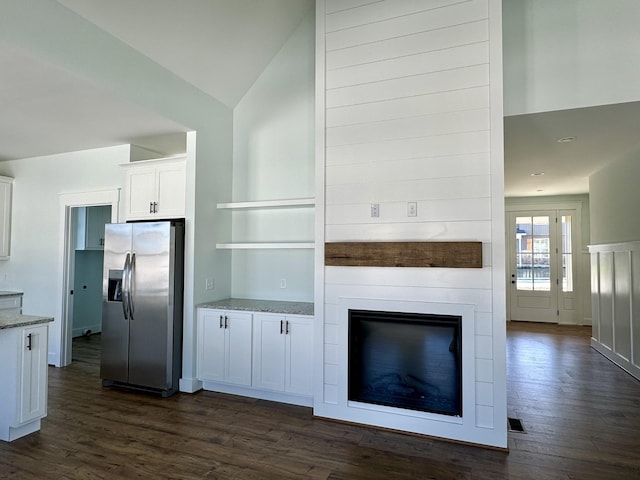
(569, 54)
(412, 107)
(615, 199)
(273, 159)
(35, 231)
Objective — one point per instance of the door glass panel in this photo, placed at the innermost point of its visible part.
(567, 255)
(532, 253)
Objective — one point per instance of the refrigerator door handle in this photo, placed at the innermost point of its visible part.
(125, 290)
(132, 288)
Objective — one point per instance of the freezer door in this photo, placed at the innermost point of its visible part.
(151, 323)
(115, 328)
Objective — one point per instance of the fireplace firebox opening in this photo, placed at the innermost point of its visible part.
(406, 360)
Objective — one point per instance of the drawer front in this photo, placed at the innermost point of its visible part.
(11, 302)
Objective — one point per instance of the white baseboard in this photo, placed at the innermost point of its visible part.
(281, 397)
(619, 360)
(80, 331)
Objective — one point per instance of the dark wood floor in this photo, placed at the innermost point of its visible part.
(580, 412)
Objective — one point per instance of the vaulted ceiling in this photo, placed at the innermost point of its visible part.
(221, 47)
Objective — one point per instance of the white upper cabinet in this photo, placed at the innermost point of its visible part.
(156, 189)
(90, 227)
(6, 193)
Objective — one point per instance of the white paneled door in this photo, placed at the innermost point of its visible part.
(542, 253)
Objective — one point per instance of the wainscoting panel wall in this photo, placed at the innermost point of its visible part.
(615, 295)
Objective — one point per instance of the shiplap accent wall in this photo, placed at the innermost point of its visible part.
(409, 106)
(615, 296)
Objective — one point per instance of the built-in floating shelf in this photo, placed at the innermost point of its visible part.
(288, 203)
(266, 245)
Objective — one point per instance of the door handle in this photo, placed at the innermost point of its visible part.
(226, 322)
(125, 289)
(220, 321)
(131, 289)
(29, 337)
(286, 330)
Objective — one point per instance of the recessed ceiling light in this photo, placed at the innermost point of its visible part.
(540, 190)
(537, 174)
(566, 139)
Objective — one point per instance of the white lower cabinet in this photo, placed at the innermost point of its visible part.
(261, 355)
(283, 353)
(224, 346)
(23, 354)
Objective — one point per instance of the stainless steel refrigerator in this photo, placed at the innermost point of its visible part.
(142, 300)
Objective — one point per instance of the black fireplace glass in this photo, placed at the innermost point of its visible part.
(406, 360)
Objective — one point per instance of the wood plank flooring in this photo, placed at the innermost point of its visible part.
(581, 414)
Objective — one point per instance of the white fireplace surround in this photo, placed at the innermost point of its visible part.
(336, 404)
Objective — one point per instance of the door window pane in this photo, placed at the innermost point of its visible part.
(567, 255)
(532, 253)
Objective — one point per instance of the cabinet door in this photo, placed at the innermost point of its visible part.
(141, 192)
(238, 360)
(170, 190)
(269, 351)
(6, 188)
(299, 355)
(96, 219)
(33, 377)
(211, 345)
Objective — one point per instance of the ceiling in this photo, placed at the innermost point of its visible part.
(46, 110)
(221, 47)
(601, 135)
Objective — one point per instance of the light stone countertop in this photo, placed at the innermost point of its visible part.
(266, 306)
(15, 320)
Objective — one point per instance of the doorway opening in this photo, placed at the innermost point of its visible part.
(88, 258)
(83, 216)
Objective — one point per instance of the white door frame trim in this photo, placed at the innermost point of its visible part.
(68, 201)
(554, 205)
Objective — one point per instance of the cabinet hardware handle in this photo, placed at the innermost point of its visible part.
(150, 207)
(226, 322)
(29, 341)
(286, 332)
(220, 321)
(155, 207)
(280, 327)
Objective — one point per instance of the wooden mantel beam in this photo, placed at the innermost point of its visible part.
(404, 254)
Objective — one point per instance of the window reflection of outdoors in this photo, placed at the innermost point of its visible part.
(567, 255)
(532, 253)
